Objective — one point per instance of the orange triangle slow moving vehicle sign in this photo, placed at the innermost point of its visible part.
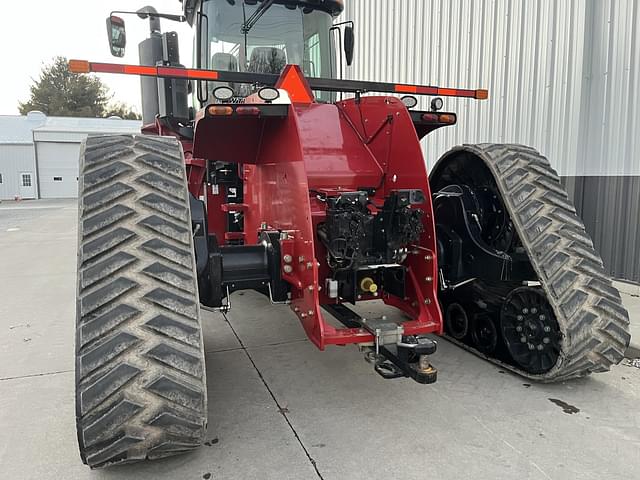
(292, 80)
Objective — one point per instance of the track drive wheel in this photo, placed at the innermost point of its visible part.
(140, 374)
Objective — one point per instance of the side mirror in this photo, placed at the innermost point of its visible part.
(117, 35)
(349, 43)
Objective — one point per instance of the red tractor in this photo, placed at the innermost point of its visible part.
(270, 179)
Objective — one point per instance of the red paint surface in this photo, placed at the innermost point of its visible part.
(322, 147)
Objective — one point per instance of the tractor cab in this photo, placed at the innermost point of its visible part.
(262, 38)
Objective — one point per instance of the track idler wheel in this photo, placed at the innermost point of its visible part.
(456, 321)
(530, 330)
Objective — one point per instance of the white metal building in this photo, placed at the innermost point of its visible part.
(563, 76)
(57, 149)
(17, 156)
(39, 154)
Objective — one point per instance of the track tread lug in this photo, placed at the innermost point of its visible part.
(174, 329)
(108, 424)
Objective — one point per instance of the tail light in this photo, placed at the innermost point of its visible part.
(215, 110)
(248, 111)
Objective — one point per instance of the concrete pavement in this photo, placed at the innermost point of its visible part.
(281, 409)
(631, 298)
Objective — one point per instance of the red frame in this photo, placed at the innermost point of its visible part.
(322, 147)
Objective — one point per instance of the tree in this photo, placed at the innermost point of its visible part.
(122, 110)
(61, 93)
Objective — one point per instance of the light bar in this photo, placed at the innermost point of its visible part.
(442, 92)
(82, 66)
(322, 84)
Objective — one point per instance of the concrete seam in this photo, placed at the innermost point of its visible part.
(275, 400)
(46, 374)
(266, 345)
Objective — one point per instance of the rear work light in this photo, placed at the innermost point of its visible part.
(409, 101)
(223, 94)
(269, 94)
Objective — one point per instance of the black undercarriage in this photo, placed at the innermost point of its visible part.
(490, 294)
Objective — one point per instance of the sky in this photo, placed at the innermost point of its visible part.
(35, 31)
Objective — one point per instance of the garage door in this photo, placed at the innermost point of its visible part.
(58, 169)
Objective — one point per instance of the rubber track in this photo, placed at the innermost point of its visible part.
(594, 324)
(140, 373)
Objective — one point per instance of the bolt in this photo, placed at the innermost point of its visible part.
(428, 258)
(428, 279)
(518, 329)
(546, 340)
(375, 294)
(414, 304)
(523, 339)
(309, 265)
(547, 329)
(525, 310)
(287, 269)
(520, 318)
(427, 301)
(359, 297)
(384, 317)
(542, 317)
(531, 346)
(540, 347)
(534, 310)
(287, 258)
(310, 312)
(301, 259)
(303, 315)
(310, 288)
(296, 309)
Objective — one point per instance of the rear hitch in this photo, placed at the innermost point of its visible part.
(393, 354)
(408, 358)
